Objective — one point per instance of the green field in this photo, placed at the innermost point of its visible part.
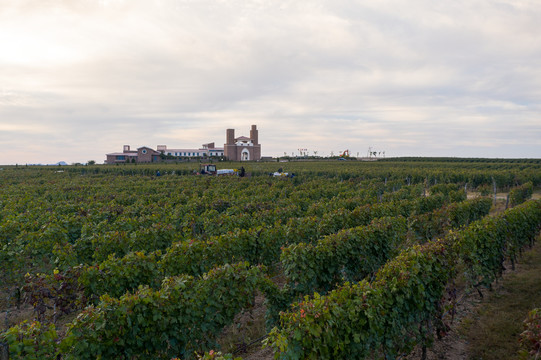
(342, 260)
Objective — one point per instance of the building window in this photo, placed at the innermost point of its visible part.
(144, 151)
(121, 157)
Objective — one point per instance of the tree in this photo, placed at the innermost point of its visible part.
(91, 162)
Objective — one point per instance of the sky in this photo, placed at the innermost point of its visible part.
(82, 78)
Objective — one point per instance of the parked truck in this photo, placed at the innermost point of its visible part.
(210, 169)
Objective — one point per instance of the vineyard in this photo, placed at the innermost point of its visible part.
(345, 260)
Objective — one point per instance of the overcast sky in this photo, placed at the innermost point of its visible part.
(81, 78)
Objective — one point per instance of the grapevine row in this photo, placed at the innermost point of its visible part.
(400, 308)
(115, 275)
(353, 254)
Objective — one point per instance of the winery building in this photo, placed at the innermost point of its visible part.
(235, 149)
(242, 148)
(147, 155)
(143, 154)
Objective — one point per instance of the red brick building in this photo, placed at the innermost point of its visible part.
(141, 155)
(242, 148)
(235, 149)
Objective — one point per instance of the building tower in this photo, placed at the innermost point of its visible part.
(242, 148)
(256, 147)
(230, 149)
(254, 135)
(230, 136)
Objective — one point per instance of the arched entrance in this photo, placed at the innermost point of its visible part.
(245, 155)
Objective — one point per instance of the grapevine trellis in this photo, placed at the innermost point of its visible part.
(167, 262)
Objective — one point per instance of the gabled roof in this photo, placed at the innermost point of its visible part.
(154, 152)
(243, 138)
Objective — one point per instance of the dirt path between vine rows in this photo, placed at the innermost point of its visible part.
(489, 328)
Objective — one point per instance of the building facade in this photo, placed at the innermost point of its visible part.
(242, 148)
(206, 150)
(143, 154)
(235, 149)
(147, 155)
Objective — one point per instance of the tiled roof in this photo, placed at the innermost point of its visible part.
(131, 153)
(193, 150)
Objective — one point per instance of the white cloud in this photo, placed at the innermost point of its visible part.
(414, 77)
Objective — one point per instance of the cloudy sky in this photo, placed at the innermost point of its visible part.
(81, 78)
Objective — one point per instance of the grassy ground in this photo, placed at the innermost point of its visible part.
(493, 330)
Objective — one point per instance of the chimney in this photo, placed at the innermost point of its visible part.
(126, 148)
